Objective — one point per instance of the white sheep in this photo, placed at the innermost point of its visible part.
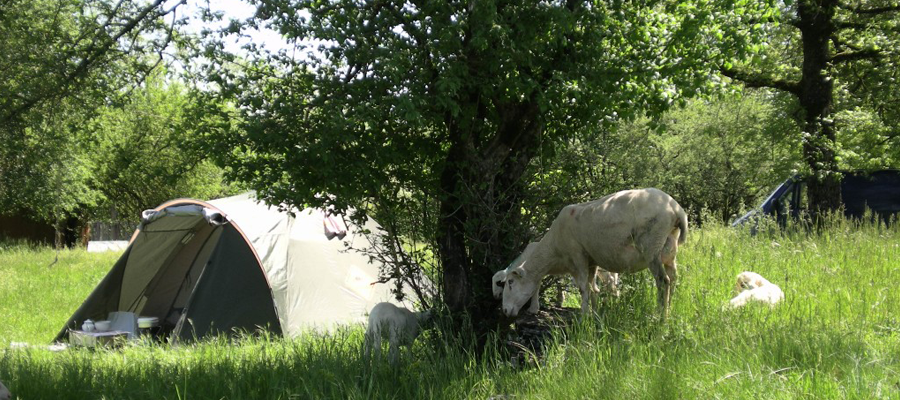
(398, 325)
(624, 232)
(609, 280)
(4, 392)
(751, 286)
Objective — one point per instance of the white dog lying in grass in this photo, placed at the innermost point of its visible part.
(751, 286)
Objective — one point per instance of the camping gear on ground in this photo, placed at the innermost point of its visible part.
(119, 327)
(204, 268)
(102, 326)
(148, 322)
(123, 321)
(96, 339)
(148, 327)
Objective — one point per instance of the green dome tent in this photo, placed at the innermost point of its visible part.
(204, 268)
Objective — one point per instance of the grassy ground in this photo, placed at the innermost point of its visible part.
(40, 289)
(837, 335)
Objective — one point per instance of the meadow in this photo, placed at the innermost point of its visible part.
(836, 335)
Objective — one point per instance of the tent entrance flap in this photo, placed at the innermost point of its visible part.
(160, 292)
(213, 307)
(173, 285)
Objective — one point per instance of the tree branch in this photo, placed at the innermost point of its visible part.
(94, 54)
(890, 137)
(841, 25)
(877, 10)
(869, 11)
(847, 56)
(759, 81)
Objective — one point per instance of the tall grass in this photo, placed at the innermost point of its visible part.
(837, 335)
(40, 288)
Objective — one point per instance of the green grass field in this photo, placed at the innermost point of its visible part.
(837, 335)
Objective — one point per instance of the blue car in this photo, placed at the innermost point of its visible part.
(878, 191)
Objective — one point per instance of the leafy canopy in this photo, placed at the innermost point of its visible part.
(377, 93)
(61, 61)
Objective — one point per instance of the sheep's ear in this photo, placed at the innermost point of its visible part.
(518, 272)
(500, 278)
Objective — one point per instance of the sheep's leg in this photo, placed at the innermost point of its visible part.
(594, 290)
(668, 260)
(583, 274)
(376, 344)
(535, 305)
(368, 342)
(663, 285)
(583, 279)
(394, 352)
(618, 283)
(614, 283)
(610, 281)
(740, 300)
(587, 298)
(672, 273)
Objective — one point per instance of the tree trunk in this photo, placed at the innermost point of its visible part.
(816, 95)
(451, 234)
(480, 223)
(492, 141)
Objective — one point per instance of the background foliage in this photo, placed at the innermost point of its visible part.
(830, 56)
(718, 156)
(146, 151)
(82, 126)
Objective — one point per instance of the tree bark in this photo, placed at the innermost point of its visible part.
(451, 237)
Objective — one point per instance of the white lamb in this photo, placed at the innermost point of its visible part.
(4, 392)
(398, 325)
(751, 286)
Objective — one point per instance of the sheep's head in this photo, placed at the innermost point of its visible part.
(497, 283)
(424, 317)
(518, 289)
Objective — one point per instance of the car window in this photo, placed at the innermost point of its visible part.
(799, 199)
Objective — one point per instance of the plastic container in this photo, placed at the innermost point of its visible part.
(148, 326)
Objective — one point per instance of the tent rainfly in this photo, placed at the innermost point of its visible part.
(236, 264)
